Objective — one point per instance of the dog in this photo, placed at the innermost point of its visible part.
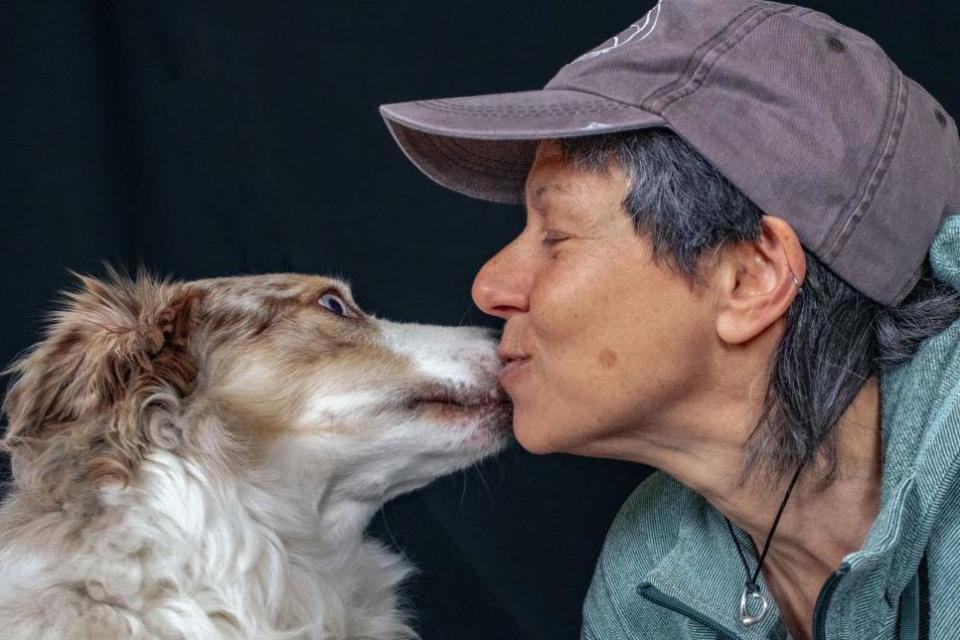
(199, 459)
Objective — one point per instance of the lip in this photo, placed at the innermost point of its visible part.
(506, 354)
(512, 369)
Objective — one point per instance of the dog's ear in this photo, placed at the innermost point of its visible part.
(113, 346)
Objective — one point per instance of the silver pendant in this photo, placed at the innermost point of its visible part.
(746, 597)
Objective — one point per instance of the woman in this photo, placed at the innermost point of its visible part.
(731, 284)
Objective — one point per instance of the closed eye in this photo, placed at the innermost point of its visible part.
(550, 239)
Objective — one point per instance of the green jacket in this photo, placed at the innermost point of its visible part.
(669, 569)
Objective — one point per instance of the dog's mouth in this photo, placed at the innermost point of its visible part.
(448, 402)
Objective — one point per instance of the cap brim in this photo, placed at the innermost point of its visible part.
(483, 146)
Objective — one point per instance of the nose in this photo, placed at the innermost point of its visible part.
(502, 285)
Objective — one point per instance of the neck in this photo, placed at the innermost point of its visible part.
(809, 537)
(704, 448)
(819, 526)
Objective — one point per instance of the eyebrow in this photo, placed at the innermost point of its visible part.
(536, 202)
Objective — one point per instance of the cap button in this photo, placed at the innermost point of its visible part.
(835, 44)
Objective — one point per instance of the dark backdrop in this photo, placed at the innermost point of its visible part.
(210, 138)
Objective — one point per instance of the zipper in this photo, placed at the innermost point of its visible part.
(823, 601)
(654, 595)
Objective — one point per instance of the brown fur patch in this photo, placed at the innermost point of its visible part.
(83, 389)
(301, 341)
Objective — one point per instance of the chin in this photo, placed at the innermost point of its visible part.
(536, 436)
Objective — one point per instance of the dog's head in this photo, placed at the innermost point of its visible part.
(277, 373)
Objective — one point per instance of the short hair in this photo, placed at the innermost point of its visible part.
(835, 337)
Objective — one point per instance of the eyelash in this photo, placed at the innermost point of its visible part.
(551, 241)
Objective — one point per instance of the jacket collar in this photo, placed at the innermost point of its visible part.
(704, 571)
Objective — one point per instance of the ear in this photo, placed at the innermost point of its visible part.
(111, 346)
(757, 281)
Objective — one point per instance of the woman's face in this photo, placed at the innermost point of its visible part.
(599, 340)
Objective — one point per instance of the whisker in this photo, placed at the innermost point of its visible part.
(483, 480)
(463, 491)
(466, 312)
(386, 527)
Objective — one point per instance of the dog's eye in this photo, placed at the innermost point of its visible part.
(334, 303)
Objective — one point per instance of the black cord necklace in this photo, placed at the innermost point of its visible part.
(751, 590)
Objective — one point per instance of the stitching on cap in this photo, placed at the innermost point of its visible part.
(875, 175)
(505, 164)
(695, 73)
(467, 162)
(690, 67)
(490, 111)
(464, 162)
(513, 185)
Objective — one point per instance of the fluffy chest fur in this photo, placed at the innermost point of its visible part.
(183, 556)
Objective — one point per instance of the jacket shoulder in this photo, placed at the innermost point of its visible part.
(643, 532)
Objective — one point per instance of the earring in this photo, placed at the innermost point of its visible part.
(796, 281)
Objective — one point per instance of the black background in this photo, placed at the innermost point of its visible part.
(212, 138)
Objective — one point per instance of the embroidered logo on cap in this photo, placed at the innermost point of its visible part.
(634, 33)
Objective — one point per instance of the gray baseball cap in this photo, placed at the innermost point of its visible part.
(810, 119)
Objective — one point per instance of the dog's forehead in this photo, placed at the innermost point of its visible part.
(271, 286)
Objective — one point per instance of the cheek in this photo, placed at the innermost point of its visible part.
(610, 351)
(566, 297)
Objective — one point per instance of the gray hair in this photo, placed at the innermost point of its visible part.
(835, 337)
